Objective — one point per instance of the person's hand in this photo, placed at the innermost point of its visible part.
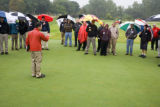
(48, 36)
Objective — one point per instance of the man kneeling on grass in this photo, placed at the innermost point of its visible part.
(33, 41)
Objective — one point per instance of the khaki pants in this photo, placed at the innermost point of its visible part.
(89, 40)
(14, 41)
(62, 37)
(36, 63)
(112, 43)
(4, 38)
(44, 43)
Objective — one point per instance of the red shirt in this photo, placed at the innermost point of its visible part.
(34, 40)
(155, 32)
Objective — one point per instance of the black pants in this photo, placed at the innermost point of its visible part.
(76, 36)
(104, 45)
(99, 45)
(80, 45)
(153, 42)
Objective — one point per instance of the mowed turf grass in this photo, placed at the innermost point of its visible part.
(77, 80)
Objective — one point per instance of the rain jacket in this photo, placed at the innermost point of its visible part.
(45, 26)
(14, 28)
(131, 33)
(105, 34)
(34, 40)
(4, 28)
(82, 34)
(155, 32)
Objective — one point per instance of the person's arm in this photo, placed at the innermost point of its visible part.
(96, 31)
(127, 33)
(117, 33)
(48, 27)
(27, 40)
(43, 37)
(87, 30)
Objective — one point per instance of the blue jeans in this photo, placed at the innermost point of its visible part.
(68, 34)
(129, 45)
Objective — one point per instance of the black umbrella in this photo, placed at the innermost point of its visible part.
(154, 18)
(63, 16)
(19, 15)
(32, 17)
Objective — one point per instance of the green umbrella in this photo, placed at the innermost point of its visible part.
(125, 26)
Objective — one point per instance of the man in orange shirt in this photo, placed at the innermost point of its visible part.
(155, 37)
(33, 41)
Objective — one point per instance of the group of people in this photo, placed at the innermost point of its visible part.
(19, 29)
(87, 32)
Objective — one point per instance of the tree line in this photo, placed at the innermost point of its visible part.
(105, 9)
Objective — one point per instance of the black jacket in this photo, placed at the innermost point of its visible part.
(92, 30)
(31, 26)
(23, 27)
(4, 28)
(62, 27)
(45, 26)
(77, 27)
(99, 30)
(131, 33)
(145, 36)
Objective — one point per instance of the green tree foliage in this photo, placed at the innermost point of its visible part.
(17, 5)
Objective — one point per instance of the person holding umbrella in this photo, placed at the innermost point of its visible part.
(105, 36)
(82, 36)
(158, 45)
(131, 34)
(22, 30)
(92, 34)
(45, 30)
(145, 36)
(62, 30)
(4, 31)
(68, 32)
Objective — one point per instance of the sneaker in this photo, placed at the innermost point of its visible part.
(95, 54)
(158, 65)
(141, 55)
(2, 53)
(86, 53)
(6, 53)
(131, 55)
(47, 49)
(16, 49)
(78, 50)
(158, 57)
(127, 54)
(42, 76)
(144, 56)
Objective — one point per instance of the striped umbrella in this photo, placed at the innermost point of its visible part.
(125, 26)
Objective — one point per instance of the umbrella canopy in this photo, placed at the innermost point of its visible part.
(62, 17)
(2, 14)
(47, 17)
(32, 17)
(19, 15)
(154, 18)
(125, 26)
(90, 18)
(10, 19)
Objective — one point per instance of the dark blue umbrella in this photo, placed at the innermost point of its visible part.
(2, 14)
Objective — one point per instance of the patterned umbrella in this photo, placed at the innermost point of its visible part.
(125, 26)
(19, 15)
(90, 17)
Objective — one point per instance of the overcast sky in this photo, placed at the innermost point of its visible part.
(124, 3)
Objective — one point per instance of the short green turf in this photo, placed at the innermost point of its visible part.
(77, 80)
